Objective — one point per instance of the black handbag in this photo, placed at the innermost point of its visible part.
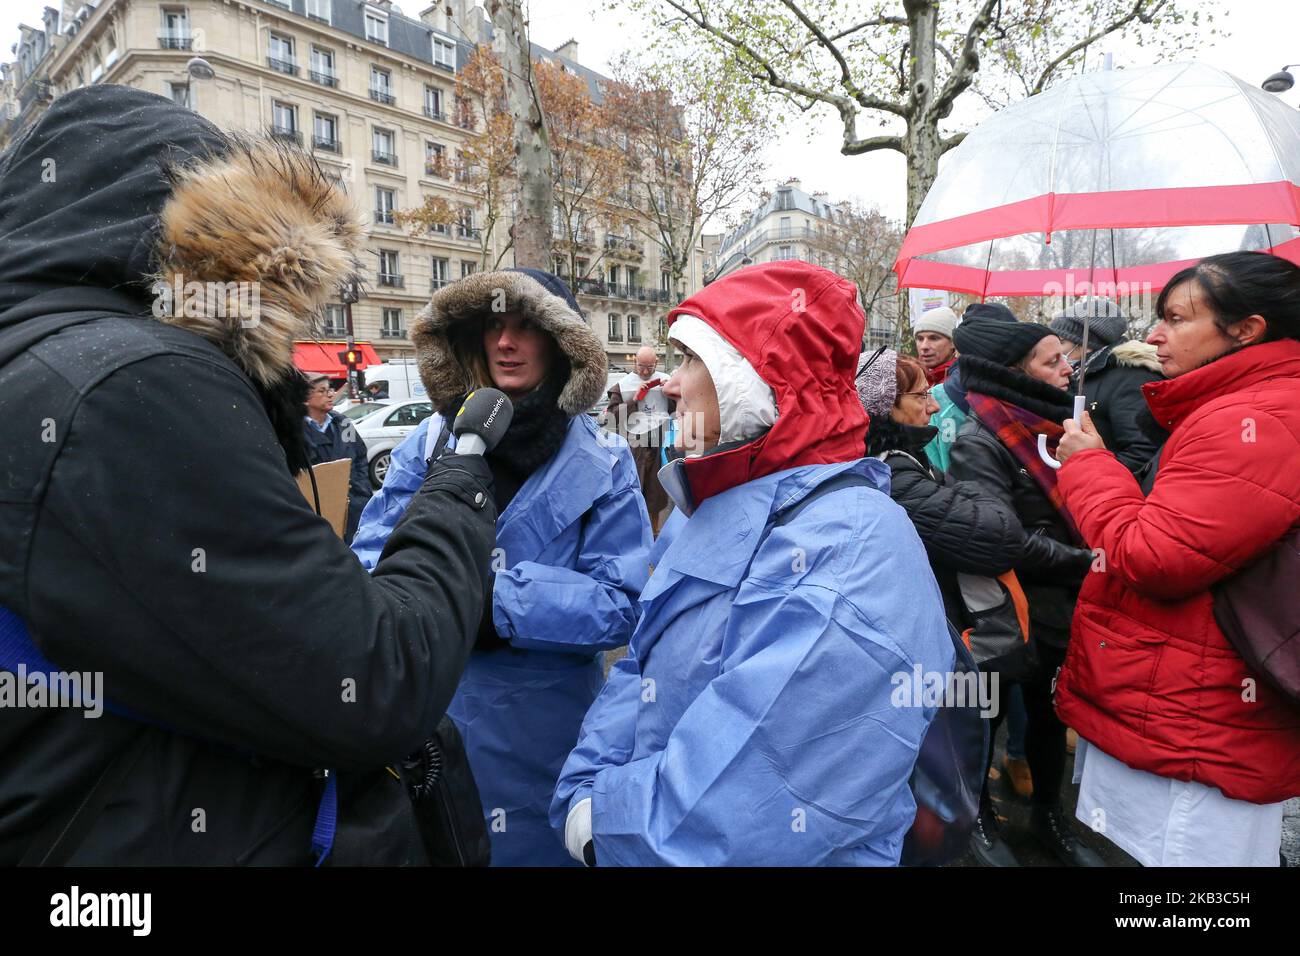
(423, 811)
(1257, 610)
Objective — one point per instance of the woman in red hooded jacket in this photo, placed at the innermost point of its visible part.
(1190, 753)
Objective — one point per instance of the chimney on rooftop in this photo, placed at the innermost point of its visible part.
(568, 49)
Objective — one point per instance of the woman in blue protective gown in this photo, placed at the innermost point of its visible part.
(573, 537)
(757, 718)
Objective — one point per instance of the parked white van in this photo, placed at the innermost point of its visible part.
(399, 377)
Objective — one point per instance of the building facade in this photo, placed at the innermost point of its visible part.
(794, 224)
(369, 91)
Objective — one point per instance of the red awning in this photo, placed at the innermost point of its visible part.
(323, 357)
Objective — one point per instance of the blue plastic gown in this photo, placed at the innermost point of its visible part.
(573, 555)
(755, 720)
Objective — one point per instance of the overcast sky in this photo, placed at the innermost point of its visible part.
(1265, 36)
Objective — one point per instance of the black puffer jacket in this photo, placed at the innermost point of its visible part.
(1050, 567)
(1113, 384)
(151, 531)
(965, 530)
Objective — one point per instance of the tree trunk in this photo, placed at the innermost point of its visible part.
(532, 226)
(922, 146)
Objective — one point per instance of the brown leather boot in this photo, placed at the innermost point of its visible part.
(1017, 772)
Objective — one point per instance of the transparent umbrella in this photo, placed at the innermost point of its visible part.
(1108, 184)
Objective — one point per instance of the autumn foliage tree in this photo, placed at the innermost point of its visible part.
(861, 244)
(694, 143)
(483, 165)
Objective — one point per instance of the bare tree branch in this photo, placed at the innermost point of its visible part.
(846, 75)
(1137, 13)
(968, 64)
(951, 142)
(855, 147)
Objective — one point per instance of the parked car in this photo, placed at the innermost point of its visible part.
(355, 411)
(384, 428)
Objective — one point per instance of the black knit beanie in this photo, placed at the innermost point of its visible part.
(989, 331)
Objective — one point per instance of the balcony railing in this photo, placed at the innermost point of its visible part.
(437, 167)
(175, 41)
(613, 290)
(469, 232)
(627, 248)
(332, 330)
(324, 79)
(382, 96)
(282, 66)
(380, 156)
(435, 284)
(444, 66)
(392, 333)
(434, 114)
(385, 216)
(282, 132)
(392, 279)
(327, 143)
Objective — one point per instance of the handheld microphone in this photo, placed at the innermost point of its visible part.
(481, 421)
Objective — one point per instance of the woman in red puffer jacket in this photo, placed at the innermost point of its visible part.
(1190, 753)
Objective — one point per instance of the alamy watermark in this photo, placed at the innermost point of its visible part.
(921, 688)
(80, 690)
(222, 300)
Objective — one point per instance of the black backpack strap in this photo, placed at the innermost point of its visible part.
(61, 836)
(847, 480)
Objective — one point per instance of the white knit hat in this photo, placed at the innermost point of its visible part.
(746, 405)
(941, 320)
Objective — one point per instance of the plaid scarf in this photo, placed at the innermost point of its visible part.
(1018, 430)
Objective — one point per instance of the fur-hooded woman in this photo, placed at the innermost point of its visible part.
(573, 536)
(154, 275)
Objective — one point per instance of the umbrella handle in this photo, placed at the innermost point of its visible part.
(1079, 404)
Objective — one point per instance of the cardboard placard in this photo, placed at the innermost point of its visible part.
(332, 484)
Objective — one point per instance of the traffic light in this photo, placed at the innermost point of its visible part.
(350, 358)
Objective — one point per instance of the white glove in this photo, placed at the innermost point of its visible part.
(577, 829)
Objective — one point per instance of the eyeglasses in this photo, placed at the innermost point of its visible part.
(923, 393)
(321, 390)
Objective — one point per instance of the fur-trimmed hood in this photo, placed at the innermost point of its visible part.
(240, 240)
(539, 296)
(1135, 354)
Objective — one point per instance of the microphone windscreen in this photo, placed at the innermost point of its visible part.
(485, 413)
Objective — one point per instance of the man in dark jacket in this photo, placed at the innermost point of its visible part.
(1113, 375)
(330, 436)
(151, 530)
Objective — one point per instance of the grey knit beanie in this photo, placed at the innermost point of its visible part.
(941, 320)
(1106, 322)
(877, 382)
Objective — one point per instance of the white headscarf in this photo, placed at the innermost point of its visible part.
(746, 405)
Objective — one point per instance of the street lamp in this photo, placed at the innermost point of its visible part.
(1280, 81)
(198, 69)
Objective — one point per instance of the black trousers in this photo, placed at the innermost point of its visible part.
(1044, 732)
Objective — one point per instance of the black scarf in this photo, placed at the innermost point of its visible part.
(885, 434)
(535, 434)
(1014, 387)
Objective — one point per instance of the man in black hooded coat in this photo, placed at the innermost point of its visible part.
(151, 529)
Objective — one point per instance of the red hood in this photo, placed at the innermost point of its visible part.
(800, 327)
(1173, 399)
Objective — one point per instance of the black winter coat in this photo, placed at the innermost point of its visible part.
(1050, 567)
(150, 528)
(965, 530)
(1113, 384)
(331, 445)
